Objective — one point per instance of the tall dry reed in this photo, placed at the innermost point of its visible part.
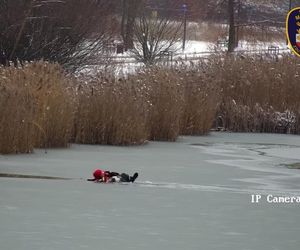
(51, 90)
(201, 99)
(165, 94)
(37, 101)
(41, 105)
(111, 111)
(17, 109)
(259, 95)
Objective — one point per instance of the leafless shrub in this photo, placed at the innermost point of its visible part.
(70, 32)
(153, 36)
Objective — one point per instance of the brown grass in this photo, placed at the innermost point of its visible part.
(256, 91)
(36, 108)
(165, 95)
(52, 92)
(16, 113)
(111, 112)
(150, 105)
(41, 106)
(201, 100)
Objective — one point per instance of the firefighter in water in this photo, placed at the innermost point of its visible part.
(108, 177)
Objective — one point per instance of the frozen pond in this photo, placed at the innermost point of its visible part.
(192, 194)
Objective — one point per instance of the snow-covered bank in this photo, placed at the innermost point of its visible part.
(195, 193)
(124, 64)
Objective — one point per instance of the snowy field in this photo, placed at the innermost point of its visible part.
(192, 194)
(124, 64)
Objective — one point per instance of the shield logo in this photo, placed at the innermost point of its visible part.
(293, 30)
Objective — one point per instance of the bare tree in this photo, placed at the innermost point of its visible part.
(154, 35)
(64, 31)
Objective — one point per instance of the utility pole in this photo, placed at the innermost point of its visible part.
(184, 9)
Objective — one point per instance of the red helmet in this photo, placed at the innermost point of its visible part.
(98, 174)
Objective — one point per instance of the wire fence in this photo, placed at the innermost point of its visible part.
(169, 57)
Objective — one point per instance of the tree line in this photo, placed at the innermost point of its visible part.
(73, 32)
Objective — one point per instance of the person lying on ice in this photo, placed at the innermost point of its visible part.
(108, 177)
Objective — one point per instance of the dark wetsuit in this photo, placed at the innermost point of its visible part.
(107, 176)
(127, 178)
(124, 178)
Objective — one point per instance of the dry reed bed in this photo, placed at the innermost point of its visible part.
(164, 93)
(52, 91)
(42, 106)
(16, 113)
(183, 101)
(36, 107)
(111, 112)
(259, 95)
(156, 104)
(201, 95)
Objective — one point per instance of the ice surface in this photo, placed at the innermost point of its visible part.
(192, 194)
